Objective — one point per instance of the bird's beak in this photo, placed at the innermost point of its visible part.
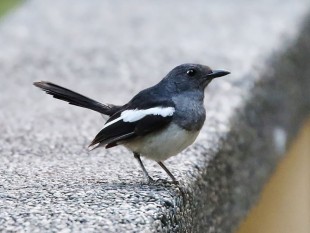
(217, 74)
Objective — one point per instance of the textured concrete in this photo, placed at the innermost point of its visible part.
(109, 50)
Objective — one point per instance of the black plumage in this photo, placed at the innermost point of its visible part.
(121, 130)
(111, 135)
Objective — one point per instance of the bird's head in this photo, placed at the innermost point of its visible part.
(188, 77)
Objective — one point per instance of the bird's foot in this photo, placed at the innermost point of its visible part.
(175, 182)
(150, 180)
(163, 181)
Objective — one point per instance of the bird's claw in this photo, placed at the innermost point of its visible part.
(163, 181)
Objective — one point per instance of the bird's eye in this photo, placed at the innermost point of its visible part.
(191, 72)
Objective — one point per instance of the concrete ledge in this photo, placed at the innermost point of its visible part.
(110, 50)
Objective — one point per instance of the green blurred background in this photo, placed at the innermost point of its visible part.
(6, 5)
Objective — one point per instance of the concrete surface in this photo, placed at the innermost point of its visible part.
(108, 50)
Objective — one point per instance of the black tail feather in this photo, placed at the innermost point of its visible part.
(74, 98)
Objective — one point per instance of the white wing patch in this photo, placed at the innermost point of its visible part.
(137, 114)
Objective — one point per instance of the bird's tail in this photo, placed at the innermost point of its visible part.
(74, 98)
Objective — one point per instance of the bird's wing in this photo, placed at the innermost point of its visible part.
(131, 122)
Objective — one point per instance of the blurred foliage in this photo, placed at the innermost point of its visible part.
(6, 5)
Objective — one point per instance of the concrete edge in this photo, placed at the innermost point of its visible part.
(264, 128)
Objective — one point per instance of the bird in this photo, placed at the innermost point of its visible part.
(158, 122)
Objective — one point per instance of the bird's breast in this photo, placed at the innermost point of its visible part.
(164, 143)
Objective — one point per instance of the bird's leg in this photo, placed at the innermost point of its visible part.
(168, 172)
(149, 179)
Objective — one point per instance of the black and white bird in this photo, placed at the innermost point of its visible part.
(158, 122)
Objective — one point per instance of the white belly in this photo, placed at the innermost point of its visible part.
(162, 144)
